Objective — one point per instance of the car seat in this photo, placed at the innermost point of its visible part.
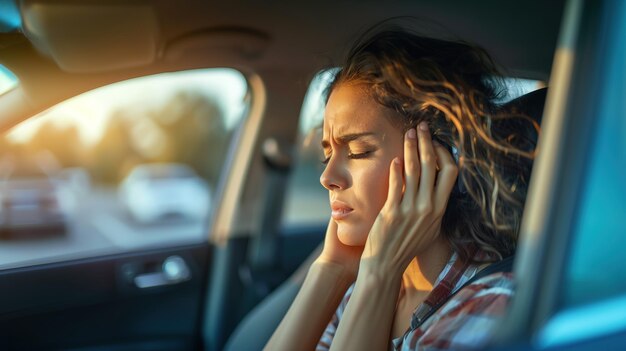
(256, 328)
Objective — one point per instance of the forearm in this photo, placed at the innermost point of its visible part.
(368, 317)
(308, 316)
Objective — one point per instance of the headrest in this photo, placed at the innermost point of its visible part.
(530, 104)
(526, 109)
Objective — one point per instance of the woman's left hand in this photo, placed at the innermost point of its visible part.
(410, 220)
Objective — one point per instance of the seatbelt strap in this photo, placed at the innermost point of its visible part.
(504, 266)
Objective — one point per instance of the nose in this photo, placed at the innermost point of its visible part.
(334, 176)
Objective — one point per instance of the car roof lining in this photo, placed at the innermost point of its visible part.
(296, 29)
(249, 36)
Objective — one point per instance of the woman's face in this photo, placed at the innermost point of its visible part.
(359, 144)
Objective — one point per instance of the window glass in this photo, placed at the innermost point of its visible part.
(596, 268)
(10, 19)
(127, 166)
(306, 200)
(8, 80)
(593, 290)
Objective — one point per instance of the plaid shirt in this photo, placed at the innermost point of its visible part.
(465, 321)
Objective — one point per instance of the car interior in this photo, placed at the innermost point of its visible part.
(227, 283)
(259, 324)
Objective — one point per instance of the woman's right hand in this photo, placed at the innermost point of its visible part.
(338, 254)
(324, 287)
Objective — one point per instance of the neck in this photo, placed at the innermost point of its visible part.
(422, 273)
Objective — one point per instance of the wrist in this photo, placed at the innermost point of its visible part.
(375, 273)
(342, 274)
(381, 269)
(378, 284)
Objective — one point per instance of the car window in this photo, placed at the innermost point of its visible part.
(10, 19)
(592, 297)
(306, 201)
(127, 166)
(599, 228)
(8, 80)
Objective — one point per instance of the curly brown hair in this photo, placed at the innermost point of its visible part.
(452, 86)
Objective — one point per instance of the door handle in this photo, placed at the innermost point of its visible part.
(174, 270)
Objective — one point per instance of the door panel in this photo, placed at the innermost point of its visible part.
(95, 304)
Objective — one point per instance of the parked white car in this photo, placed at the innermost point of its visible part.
(153, 192)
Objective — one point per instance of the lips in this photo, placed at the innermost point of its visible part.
(340, 210)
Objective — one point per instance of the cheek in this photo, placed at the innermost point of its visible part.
(374, 187)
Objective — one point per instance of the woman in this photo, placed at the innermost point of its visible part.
(426, 182)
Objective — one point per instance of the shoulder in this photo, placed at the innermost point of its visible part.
(468, 319)
(488, 296)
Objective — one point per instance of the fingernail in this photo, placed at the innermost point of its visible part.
(424, 126)
(396, 161)
(411, 133)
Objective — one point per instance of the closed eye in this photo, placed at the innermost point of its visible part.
(359, 155)
(353, 156)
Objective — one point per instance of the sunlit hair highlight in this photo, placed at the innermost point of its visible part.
(452, 86)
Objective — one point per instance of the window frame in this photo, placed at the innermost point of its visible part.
(553, 200)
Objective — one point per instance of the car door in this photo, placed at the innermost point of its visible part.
(106, 280)
(570, 268)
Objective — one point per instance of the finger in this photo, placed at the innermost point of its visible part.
(411, 166)
(428, 162)
(394, 196)
(446, 178)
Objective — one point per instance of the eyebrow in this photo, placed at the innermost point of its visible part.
(346, 138)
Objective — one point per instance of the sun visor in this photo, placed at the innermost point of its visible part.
(93, 38)
(227, 43)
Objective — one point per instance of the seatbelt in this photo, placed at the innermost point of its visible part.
(259, 273)
(504, 266)
(277, 155)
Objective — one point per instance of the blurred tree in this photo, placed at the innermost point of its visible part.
(188, 129)
(4, 145)
(106, 159)
(194, 132)
(62, 141)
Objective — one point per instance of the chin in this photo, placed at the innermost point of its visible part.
(350, 236)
